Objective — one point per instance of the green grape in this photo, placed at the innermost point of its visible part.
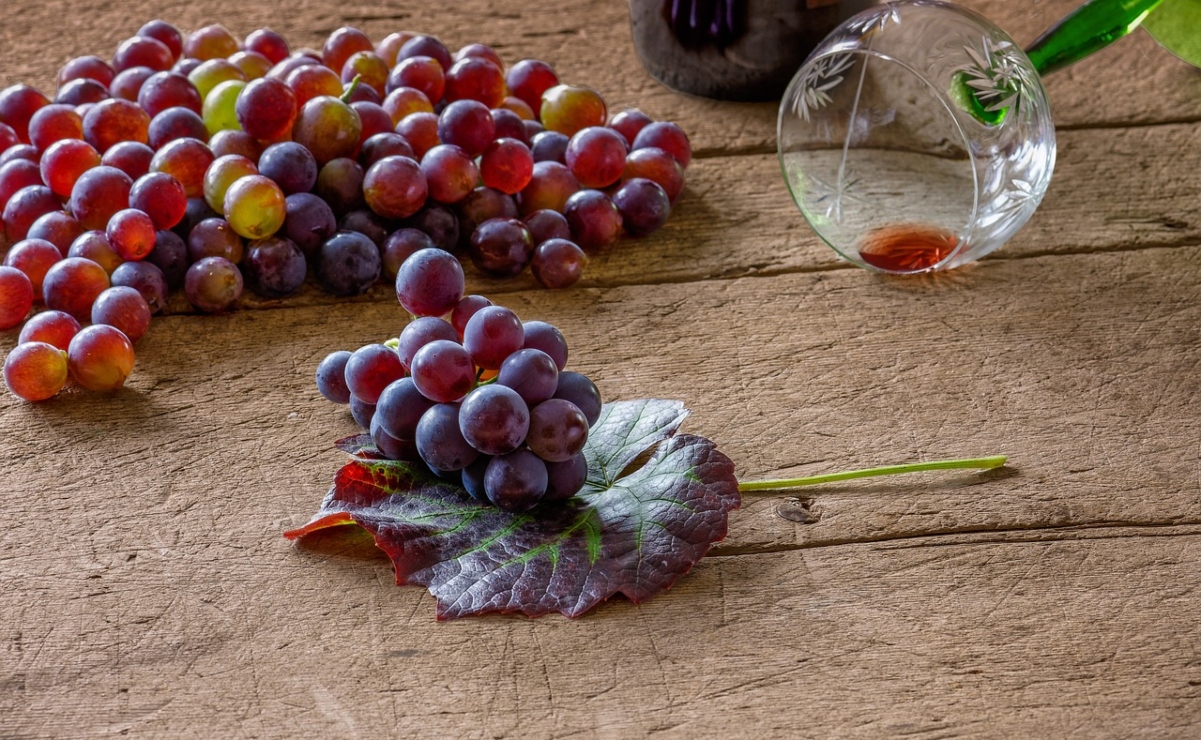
(255, 207)
(223, 172)
(220, 107)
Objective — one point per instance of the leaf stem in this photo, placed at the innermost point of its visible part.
(984, 463)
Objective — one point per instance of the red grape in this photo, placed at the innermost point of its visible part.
(125, 309)
(16, 297)
(550, 187)
(57, 227)
(340, 185)
(519, 107)
(210, 42)
(33, 257)
(19, 151)
(370, 370)
(275, 267)
(71, 286)
(17, 174)
(94, 246)
(421, 73)
(161, 197)
(475, 78)
(502, 246)
(428, 46)
(571, 108)
(450, 173)
(235, 142)
(98, 194)
(142, 51)
(35, 371)
(395, 187)
(79, 92)
(175, 123)
(558, 263)
(52, 327)
(214, 237)
(528, 79)
(268, 43)
(112, 121)
(128, 84)
(399, 246)
(186, 160)
(65, 161)
(53, 123)
(430, 283)
(343, 43)
(100, 358)
(421, 131)
(328, 128)
(313, 81)
(213, 285)
(544, 336)
(494, 419)
(131, 233)
(666, 136)
(467, 124)
(391, 45)
(507, 165)
(166, 34)
(547, 224)
(266, 109)
(482, 204)
(26, 206)
(373, 119)
(131, 157)
(442, 371)
(658, 166)
(629, 122)
(348, 264)
(594, 220)
(168, 90)
(384, 145)
(18, 103)
(466, 308)
(596, 156)
(405, 100)
(146, 278)
(86, 68)
(644, 206)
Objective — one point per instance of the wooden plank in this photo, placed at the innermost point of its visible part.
(1081, 368)
(156, 631)
(1104, 91)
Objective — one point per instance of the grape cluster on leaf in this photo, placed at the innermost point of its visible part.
(635, 528)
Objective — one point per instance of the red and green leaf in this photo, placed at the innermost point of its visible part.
(634, 529)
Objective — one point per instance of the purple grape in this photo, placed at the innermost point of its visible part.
(383, 145)
(565, 479)
(491, 335)
(400, 408)
(399, 246)
(366, 223)
(532, 129)
(480, 205)
(430, 283)
(550, 146)
(196, 211)
(494, 419)
(213, 285)
(170, 254)
(426, 46)
(439, 441)
(309, 222)
(370, 370)
(391, 447)
(530, 372)
(516, 481)
(508, 125)
(473, 477)
(558, 263)
(443, 371)
(439, 223)
(290, 165)
(420, 332)
(582, 392)
(348, 264)
(594, 220)
(340, 184)
(558, 430)
(643, 205)
(275, 267)
(362, 412)
(468, 125)
(175, 123)
(331, 377)
(502, 247)
(547, 224)
(146, 278)
(467, 308)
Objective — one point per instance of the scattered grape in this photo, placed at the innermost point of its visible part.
(508, 165)
(52, 327)
(666, 136)
(594, 220)
(529, 79)
(502, 246)
(100, 358)
(596, 156)
(468, 125)
(57, 227)
(450, 173)
(16, 297)
(131, 157)
(64, 162)
(399, 246)
(571, 108)
(213, 284)
(643, 205)
(94, 245)
(275, 267)
(35, 371)
(214, 237)
(309, 223)
(558, 263)
(125, 309)
(254, 207)
(33, 257)
(348, 264)
(131, 234)
(290, 165)
(147, 279)
(395, 187)
(549, 188)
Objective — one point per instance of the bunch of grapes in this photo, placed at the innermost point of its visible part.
(467, 388)
(204, 163)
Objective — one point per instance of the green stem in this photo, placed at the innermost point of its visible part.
(354, 85)
(984, 463)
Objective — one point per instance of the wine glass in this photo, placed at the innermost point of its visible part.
(918, 137)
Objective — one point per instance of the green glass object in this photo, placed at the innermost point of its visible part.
(1089, 28)
(1176, 25)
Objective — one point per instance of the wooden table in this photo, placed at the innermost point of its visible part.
(145, 588)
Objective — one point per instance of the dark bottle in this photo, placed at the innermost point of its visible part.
(732, 49)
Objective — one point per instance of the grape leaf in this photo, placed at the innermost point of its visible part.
(634, 529)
